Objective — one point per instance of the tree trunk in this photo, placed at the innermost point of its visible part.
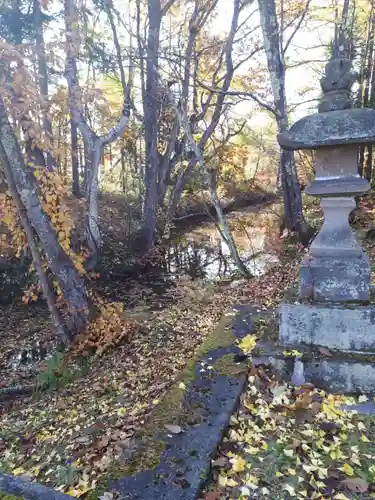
(276, 67)
(92, 216)
(74, 159)
(43, 78)
(47, 289)
(151, 107)
(94, 144)
(70, 281)
(224, 229)
(369, 163)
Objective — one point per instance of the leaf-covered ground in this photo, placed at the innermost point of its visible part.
(69, 438)
(290, 442)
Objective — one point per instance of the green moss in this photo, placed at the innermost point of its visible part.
(4, 496)
(227, 366)
(170, 409)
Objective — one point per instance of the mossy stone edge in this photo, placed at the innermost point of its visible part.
(178, 472)
(218, 349)
(18, 488)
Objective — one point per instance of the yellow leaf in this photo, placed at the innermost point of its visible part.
(340, 496)
(361, 426)
(248, 343)
(364, 439)
(18, 471)
(79, 491)
(121, 412)
(222, 481)
(231, 482)
(238, 464)
(348, 470)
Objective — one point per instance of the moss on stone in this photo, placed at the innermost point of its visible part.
(4, 496)
(170, 409)
(226, 365)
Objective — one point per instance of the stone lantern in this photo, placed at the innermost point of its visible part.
(333, 308)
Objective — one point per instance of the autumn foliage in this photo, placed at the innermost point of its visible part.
(110, 327)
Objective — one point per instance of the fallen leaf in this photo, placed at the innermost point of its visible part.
(106, 496)
(325, 352)
(289, 488)
(355, 484)
(238, 464)
(220, 462)
(248, 343)
(289, 453)
(315, 408)
(279, 391)
(348, 470)
(213, 495)
(245, 491)
(174, 429)
(102, 443)
(303, 415)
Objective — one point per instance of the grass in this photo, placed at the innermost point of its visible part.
(169, 410)
(4, 496)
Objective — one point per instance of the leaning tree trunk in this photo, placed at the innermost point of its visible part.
(45, 284)
(62, 267)
(276, 67)
(224, 229)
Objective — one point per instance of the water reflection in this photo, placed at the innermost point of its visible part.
(202, 254)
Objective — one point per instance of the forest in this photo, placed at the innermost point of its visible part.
(142, 193)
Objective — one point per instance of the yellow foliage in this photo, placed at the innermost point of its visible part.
(108, 329)
(53, 198)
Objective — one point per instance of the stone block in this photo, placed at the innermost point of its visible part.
(335, 280)
(342, 376)
(328, 325)
(344, 372)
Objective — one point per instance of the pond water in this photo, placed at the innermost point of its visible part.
(201, 253)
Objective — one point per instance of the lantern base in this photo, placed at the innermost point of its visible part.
(335, 280)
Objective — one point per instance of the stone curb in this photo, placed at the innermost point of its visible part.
(186, 460)
(23, 488)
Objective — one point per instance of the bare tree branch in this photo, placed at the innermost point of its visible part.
(166, 7)
(238, 93)
(304, 13)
